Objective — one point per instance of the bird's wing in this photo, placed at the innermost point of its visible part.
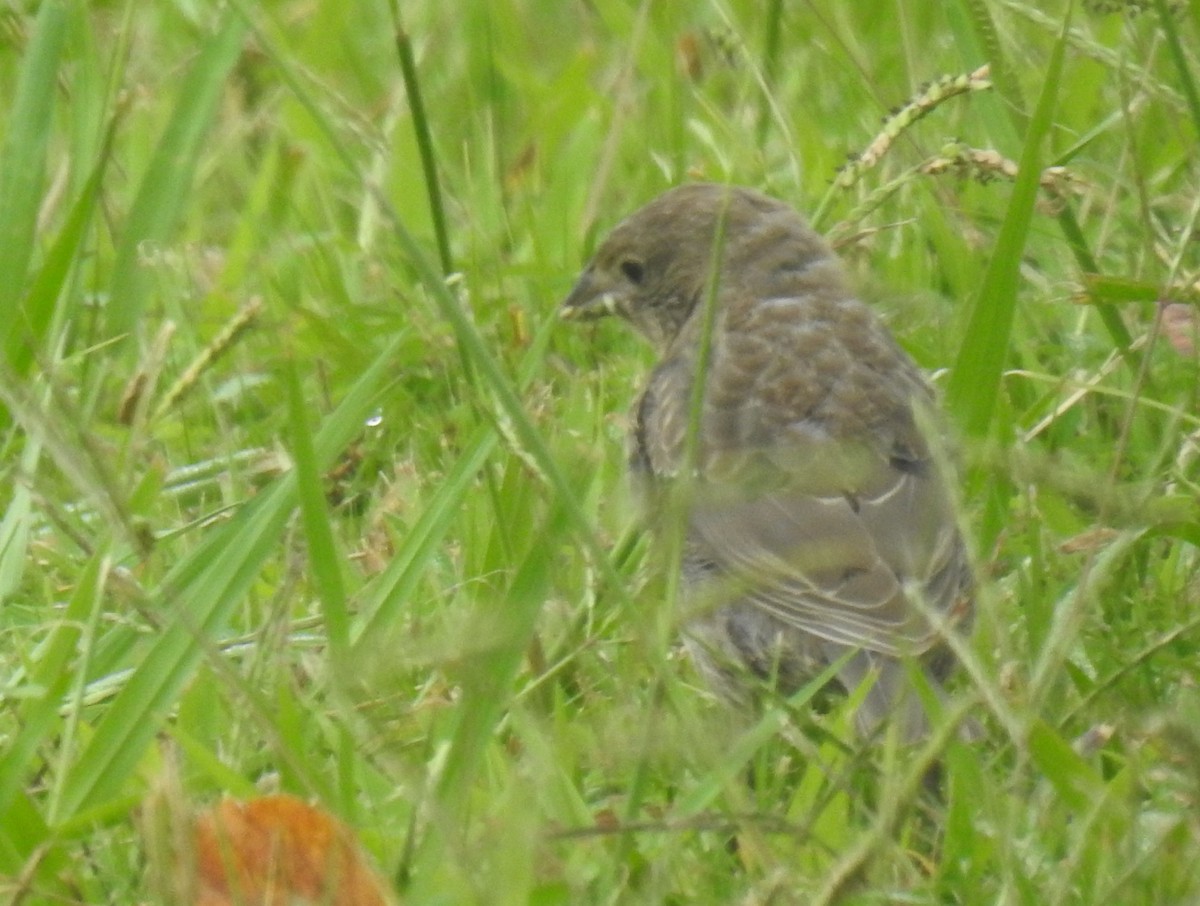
(842, 567)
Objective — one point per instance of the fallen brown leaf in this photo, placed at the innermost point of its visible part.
(280, 851)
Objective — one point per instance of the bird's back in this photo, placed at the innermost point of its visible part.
(816, 518)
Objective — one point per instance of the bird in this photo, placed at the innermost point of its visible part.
(803, 451)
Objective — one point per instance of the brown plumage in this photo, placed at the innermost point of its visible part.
(817, 521)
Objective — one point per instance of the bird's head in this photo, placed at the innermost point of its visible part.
(658, 263)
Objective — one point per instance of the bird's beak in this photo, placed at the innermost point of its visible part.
(587, 301)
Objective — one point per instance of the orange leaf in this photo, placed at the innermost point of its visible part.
(280, 851)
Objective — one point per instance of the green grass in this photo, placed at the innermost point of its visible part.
(375, 547)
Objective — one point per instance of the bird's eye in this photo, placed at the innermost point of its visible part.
(633, 270)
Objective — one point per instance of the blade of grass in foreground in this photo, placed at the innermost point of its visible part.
(163, 191)
(64, 253)
(975, 381)
(324, 559)
(412, 87)
(975, 29)
(22, 162)
(23, 833)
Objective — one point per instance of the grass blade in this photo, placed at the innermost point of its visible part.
(23, 164)
(163, 192)
(974, 383)
(324, 558)
(412, 86)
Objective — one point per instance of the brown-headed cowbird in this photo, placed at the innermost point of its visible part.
(815, 516)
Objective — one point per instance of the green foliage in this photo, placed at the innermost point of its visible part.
(289, 507)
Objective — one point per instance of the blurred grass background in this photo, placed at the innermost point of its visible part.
(307, 490)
